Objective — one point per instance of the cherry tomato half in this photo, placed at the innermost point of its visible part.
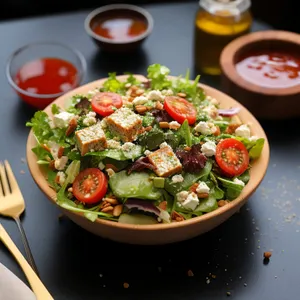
(180, 109)
(232, 157)
(90, 186)
(104, 102)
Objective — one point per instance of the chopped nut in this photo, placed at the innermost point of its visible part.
(193, 188)
(52, 165)
(222, 203)
(105, 204)
(182, 95)
(231, 128)
(159, 106)
(126, 285)
(141, 109)
(218, 131)
(60, 152)
(134, 88)
(57, 178)
(202, 195)
(139, 92)
(267, 254)
(163, 124)
(112, 201)
(117, 210)
(175, 216)
(190, 273)
(148, 128)
(187, 148)
(72, 126)
(44, 146)
(163, 205)
(107, 209)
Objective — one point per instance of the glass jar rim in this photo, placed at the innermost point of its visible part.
(234, 6)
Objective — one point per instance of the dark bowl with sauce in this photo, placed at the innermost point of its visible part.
(119, 27)
(262, 71)
(43, 71)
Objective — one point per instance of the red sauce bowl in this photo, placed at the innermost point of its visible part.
(268, 86)
(43, 71)
(119, 27)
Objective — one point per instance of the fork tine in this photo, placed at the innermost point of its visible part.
(11, 177)
(4, 179)
(1, 191)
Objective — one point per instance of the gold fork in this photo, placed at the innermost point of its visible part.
(12, 204)
(37, 286)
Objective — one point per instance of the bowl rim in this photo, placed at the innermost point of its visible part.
(229, 53)
(10, 59)
(41, 182)
(109, 7)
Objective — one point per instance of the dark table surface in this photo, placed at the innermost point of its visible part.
(75, 264)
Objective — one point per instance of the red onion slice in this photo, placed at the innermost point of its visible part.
(229, 112)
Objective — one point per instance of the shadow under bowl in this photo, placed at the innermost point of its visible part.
(263, 101)
(117, 11)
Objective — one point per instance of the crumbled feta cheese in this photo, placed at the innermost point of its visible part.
(238, 181)
(62, 177)
(202, 188)
(205, 128)
(110, 172)
(177, 178)
(112, 144)
(127, 146)
(101, 165)
(147, 152)
(103, 124)
(155, 95)
(253, 138)
(243, 131)
(209, 148)
(211, 110)
(90, 119)
(174, 125)
(164, 145)
(62, 119)
(54, 147)
(127, 85)
(140, 100)
(212, 100)
(181, 196)
(168, 92)
(191, 202)
(93, 92)
(60, 163)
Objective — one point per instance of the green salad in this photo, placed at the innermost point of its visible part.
(145, 152)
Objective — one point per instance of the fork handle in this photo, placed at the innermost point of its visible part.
(26, 246)
(37, 286)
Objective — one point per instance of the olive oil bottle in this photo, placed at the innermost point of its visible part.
(217, 23)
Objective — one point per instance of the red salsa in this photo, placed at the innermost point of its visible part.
(270, 69)
(119, 28)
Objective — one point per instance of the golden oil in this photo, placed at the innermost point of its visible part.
(217, 23)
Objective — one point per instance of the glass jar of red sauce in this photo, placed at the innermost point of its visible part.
(41, 72)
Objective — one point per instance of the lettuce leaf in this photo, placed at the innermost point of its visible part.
(158, 74)
(256, 150)
(112, 84)
(185, 132)
(232, 189)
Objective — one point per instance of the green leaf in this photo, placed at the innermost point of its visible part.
(158, 75)
(189, 180)
(152, 139)
(185, 133)
(132, 79)
(207, 205)
(116, 154)
(135, 185)
(245, 177)
(51, 175)
(148, 120)
(232, 189)
(41, 153)
(256, 150)
(55, 109)
(112, 84)
(173, 139)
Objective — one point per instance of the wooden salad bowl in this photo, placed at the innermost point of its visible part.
(263, 102)
(158, 233)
